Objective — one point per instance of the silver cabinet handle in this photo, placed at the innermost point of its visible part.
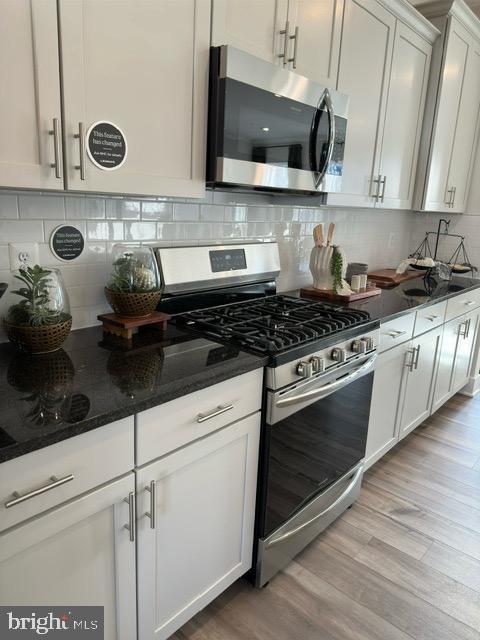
(295, 48)
(286, 37)
(413, 364)
(464, 334)
(396, 334)
(55, 482)
(470, 303)
(383, 183)
(417, 356)
(454, 195)
(151, 488)
(130, 527)
(216, 412)
(81, 149)
(432, 318)
(449, 201)
(57, 150)
(306, 524)
(377, 181)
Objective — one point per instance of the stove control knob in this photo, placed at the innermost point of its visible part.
(305, 369)
(318, 364)
(338, 354)
(369, 343)
(359, 346)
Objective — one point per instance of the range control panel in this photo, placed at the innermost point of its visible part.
(227, 260)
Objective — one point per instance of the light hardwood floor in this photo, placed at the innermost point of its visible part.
(402, 563)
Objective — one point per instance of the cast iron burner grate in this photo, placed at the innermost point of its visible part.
(274, 323)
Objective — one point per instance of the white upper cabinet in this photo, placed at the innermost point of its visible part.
(30, 155)
(451, 129)
(384, 68)
(404, 118)
(315, 28)
(142, 65)
(302, 35)
(251, 25)
(365, 60)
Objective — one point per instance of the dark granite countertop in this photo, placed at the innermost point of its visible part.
(411, 295)
(89, 383)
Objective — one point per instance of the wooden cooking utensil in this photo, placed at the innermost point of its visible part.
(331, 229)
(318, 235)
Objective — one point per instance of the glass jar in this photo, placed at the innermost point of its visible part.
(134, 270)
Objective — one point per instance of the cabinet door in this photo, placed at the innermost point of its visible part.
(446, 117)
(250, 25)
(446, 362)
(466, 131)
(77, 554)
(365, 60)
(422, 361)
(142, 65)
(29, 95)
(200, 539)
(319, 27)
(387, 396)
(404, 117)
(467, 336)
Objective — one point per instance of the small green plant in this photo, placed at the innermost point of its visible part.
(131, 275)
(34, 310)
(336, 268)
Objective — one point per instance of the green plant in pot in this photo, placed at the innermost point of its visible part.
(133, 289)
(38, 319)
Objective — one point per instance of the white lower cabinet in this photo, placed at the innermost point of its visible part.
(421, 365)
(196, 511)
(386, 404)
(77, 554)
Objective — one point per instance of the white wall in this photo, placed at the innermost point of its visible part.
(27, 216)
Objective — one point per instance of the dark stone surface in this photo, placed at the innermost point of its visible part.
(411, 295)
(89, 383)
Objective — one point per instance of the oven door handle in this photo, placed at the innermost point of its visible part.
(327, 389)
(311, 521)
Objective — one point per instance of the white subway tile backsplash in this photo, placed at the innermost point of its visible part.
(8, 206)
(45, 207)
(84, 208)
(220, 217)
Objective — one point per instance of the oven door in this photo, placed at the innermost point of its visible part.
(316, 434)
(274, 128)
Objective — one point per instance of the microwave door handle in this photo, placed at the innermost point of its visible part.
(318, 171)
(327, 389)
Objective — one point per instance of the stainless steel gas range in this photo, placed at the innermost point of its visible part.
(318, 385)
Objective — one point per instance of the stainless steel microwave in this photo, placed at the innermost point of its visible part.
(271, 129)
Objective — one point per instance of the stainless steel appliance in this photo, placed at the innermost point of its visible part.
(272, 129)
(318, 385)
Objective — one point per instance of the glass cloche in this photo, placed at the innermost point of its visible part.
(134, 269)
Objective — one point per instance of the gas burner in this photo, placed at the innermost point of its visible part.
(275, 323)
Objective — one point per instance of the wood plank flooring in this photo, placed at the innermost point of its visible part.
(402, 563)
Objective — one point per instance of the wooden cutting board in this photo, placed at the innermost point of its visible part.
(328, 294)
(390, 276)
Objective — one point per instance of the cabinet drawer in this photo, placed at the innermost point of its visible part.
(396, 331)
(430, 317)
(171, 425)
(82, 462)
(462, 304)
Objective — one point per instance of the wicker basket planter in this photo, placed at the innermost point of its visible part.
(133, 305)
(41, 339)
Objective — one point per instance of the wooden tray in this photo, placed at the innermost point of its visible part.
(328, 294)
(125, 327)
(390, 276)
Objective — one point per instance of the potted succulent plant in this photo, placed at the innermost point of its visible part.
(38, 320)
(134, 286)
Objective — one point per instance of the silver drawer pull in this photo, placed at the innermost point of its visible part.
(469, 303)
(396, 334)
(55, 482)
(216, 412)
(432, 318)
